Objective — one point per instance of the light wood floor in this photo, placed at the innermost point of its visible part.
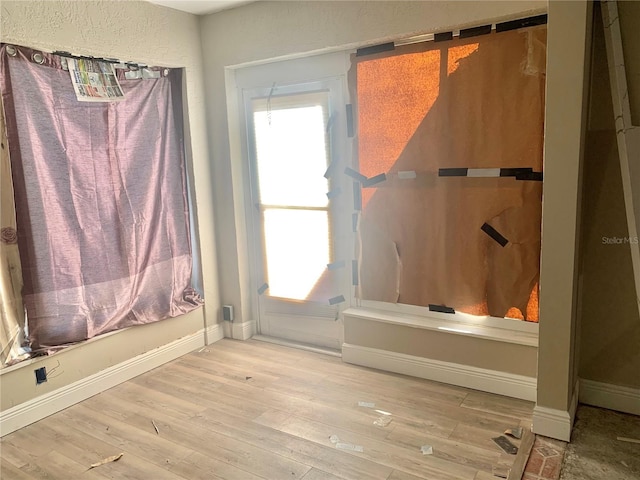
(253, 410)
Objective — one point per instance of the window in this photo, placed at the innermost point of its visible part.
(456, 127)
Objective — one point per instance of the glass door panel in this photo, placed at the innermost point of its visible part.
(298, 233)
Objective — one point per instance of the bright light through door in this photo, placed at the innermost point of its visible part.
(291, 152)
(297, 250)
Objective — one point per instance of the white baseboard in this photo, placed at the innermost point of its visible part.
(298, 345)
(554, 423)
(226, 329)
(493, 381)
(613, 397)
(239, 331)
(38, 408)
(214, 333)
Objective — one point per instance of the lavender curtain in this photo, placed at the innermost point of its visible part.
(102, 216)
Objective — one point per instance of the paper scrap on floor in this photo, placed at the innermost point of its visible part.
(383, 421)
(349, 446)
(114, 458)
(426, 450)
(515, 432)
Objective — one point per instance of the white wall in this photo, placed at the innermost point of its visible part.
(143, 32)
(264, 31)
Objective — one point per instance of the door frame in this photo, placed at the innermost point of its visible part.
(323, 323)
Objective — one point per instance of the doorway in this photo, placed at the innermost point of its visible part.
(296, 138)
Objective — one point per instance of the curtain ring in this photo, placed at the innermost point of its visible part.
(12, 51)
(38, 58)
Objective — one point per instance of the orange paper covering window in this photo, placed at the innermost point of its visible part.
(474, 103)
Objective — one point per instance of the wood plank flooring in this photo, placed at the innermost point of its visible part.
(253, 410)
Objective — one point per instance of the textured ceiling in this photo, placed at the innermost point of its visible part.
(200, 7)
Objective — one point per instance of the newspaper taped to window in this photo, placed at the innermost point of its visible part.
(94, 81)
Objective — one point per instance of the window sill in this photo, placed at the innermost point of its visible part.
(487, 328)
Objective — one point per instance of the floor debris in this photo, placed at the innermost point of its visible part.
(345, 446)
(114, 458)
(629, 440)
(248, 378)
(367, 404)
(349, 446)
(501, 471)
(426, 449)
(596, 450)
(515, 432)
(383, 421)
(504, 443)
(156, 427)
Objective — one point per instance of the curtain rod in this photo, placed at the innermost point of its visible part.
(62, 53)
(462, 33)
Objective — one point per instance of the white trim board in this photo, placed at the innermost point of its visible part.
(456, 325)
(40, 407)
(613, 397)
(299, 345)
(492, 381)
(244, 330)
(554, 423)
(239, 331)
(214, 332)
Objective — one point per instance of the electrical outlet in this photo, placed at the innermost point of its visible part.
(227, 313)
(41, 375)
